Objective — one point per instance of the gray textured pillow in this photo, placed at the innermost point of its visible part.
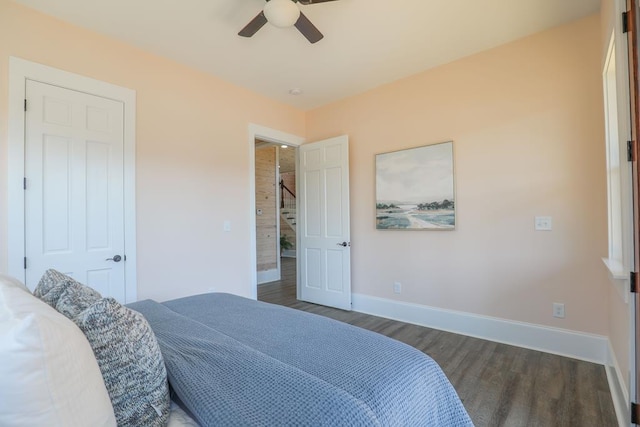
(75, 298)
(130, 361)
(51, 285)
(53, 295)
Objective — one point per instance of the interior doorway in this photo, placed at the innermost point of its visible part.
(276, 221)
(275, 209)
(261, 137)
(53, 97)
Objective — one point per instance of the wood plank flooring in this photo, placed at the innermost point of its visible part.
(500, 385)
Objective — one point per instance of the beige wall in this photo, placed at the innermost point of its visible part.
(527, 123)
(608, 16)
(287, 160)
(619, 311)
(192, 152)
(266, 199)
(289, 180)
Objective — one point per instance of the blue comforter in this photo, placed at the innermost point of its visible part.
(238, 362)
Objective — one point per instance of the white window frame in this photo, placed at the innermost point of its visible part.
(619, 186)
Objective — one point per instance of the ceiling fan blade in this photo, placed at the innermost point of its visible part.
(253, 26)
(308, 2)
(308, 29)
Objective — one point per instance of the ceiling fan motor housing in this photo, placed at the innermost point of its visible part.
(281, 13)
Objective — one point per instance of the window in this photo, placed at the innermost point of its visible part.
(618, 174)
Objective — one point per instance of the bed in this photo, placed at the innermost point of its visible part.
(254, 363)
(233, 361)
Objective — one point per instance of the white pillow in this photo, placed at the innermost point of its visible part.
(49, 374)
(12, 281)
(179, 418)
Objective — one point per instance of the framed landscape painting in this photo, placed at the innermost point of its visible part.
(415, 190)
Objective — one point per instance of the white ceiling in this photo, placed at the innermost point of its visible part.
(367, 42)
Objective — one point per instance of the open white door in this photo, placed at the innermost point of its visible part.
(323, 223)
(74, 200)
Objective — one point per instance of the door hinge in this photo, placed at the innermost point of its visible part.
(635, 413)
(631, 151)
(25, 105)
(25, 263)
(24, 183)
(633, 282)
(625, 22)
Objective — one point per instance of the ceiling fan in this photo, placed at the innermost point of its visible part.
(283, 14)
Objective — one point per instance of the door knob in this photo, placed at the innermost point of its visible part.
(343, 244)
(116, 258)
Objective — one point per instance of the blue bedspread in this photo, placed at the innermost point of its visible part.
(238, 362)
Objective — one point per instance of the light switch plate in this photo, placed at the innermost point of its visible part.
(543, 223)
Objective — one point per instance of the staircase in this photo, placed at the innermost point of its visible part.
(289, 216)
(288, 228)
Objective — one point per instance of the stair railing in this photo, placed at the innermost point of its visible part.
(287, 197)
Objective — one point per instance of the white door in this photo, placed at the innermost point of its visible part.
(74, 194)
(325, 246)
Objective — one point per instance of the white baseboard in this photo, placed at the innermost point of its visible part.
(619, 391)
(268, 276)
(578, 345)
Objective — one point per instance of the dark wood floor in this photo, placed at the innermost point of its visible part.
(500, 385)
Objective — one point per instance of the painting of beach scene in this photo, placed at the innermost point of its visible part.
(414, 189)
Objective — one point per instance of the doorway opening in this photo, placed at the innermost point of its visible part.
(323, 242)
(273, 209)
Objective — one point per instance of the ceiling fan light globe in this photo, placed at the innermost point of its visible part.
(281, 13)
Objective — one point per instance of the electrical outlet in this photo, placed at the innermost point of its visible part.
(226, 225)
(397, 287)
(558, 310)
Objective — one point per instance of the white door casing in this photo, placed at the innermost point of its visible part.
(74, 188)
(20, 73)
(323, 223)
(271, 135)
